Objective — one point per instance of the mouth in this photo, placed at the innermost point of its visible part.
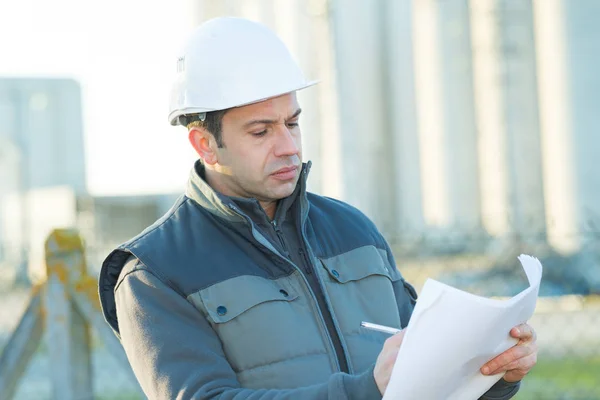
(286, 173)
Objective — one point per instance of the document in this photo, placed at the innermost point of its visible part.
(452, 334)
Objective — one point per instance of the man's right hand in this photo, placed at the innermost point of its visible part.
(386, 360)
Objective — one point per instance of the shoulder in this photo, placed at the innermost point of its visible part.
(340, 220)
(164, 222)
(340, 211)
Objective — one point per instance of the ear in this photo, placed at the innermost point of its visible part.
(204, 143)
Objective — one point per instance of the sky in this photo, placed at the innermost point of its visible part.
(123, 53)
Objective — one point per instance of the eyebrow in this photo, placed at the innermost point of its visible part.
(270, 121)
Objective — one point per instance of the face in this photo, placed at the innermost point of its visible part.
(262, 154)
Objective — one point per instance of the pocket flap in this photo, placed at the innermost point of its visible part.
(232, 297)
(356, 265)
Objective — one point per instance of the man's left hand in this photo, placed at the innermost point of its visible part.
(519, 359)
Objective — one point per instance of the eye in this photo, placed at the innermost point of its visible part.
(292, 124)
(259, 134)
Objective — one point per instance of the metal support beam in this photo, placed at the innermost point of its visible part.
(21, 346)
(68, 332)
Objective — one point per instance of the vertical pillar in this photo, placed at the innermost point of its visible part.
(583, 35)
(526, 193)
(567, 34)
(460, 135)
(430, 113)
(446, 117)
(404, 126)
(331, 156)
(367, 171)
(492, 147)
(507, 116)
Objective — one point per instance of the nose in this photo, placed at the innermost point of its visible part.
(286, 143)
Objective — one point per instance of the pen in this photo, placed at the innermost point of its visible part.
(380, 328)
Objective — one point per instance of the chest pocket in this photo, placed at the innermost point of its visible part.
(356, 265)
(228, 300)
(360, 287)
(260, 322)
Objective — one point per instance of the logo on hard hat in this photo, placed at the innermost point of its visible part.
(180, 64)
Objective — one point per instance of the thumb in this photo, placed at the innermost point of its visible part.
(398, 337)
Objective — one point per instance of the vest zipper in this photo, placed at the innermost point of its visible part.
(281, 238)
(301, 252)
(306, 261)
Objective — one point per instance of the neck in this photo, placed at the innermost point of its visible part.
(268, 206)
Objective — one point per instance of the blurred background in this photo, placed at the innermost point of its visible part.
(466, 129)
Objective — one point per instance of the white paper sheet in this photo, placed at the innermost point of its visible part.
(452, 333)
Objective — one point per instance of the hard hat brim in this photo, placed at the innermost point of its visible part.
(174, 116)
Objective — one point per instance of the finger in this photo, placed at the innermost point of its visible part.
(521, 364)
(504, 359)
(520, 353)
(510, 355)
(524, 332)
(395, 340)
(523, 367)
(390, 359)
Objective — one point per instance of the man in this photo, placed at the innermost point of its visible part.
(250, 287)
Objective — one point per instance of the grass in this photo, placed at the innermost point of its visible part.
(563, 379)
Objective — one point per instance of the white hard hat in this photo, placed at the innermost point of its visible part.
(230, 62)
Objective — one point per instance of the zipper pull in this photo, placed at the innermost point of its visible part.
(276, 228)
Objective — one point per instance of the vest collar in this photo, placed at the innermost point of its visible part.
(221, 205)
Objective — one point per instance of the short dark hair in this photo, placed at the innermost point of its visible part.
(212, 123)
